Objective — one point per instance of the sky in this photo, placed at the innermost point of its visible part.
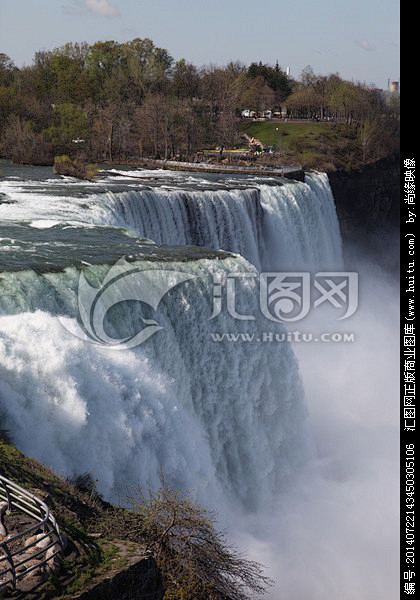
(358, 39)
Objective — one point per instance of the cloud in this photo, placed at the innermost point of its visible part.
(102, 8)
(365, 45)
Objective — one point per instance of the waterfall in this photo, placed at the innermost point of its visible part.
(290, 226)
(221, 418)
(287, 226)
(214, 417)
(228, 219)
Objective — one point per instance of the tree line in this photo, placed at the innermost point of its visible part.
(115, 101)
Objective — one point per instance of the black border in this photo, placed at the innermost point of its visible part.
(409, 116)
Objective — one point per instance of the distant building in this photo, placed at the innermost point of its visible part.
(395, 86)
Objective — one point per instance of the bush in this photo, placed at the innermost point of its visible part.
(64, 165)
(194, 558)
(86, 484)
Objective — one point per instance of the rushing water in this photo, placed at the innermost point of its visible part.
(243, 407)
(279, 224)
(226, 420)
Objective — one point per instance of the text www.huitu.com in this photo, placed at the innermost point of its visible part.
(295, 336)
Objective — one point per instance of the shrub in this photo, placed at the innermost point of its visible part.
(64, 165)
(86, 484)
(195, 559)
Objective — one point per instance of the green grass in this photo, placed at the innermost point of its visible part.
(271, 132)
(102, 558)
(321, 146)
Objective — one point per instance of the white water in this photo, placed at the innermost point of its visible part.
(291, 226)
(225, 420)
(130, 413)
(242, 406)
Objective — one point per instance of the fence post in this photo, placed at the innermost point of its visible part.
(9, 498)
(11, 576)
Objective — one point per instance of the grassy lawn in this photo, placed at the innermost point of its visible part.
(271, 132)
(312, 144)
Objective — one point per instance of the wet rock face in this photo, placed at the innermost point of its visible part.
(368, 206)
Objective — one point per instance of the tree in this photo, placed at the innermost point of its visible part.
(6, 105)
(24, 145)
(351, 101)
(319, 85)
(275, 78)
(71, 81)
(185, 80)
(195, 559)
(151, 123)
(221, 93)
(251, 93)
(304, 102)
(70, 123)
(7, 69)
(148, 68)
(111, 135)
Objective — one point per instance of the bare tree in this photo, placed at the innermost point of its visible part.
(23, 144)
(195, 559)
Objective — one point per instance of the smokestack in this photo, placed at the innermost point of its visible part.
(287, 71)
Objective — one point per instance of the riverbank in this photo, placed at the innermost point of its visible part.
(325, 146)
(290, 172)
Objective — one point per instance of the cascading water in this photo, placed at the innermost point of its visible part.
(242, 407)
(281, 225)
(225, 419)
(286, 226)
(240, 403)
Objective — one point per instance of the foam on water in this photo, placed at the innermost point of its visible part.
(285, 227)
(124, 416)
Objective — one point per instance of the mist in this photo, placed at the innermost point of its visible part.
(334, 533)
(306, 484)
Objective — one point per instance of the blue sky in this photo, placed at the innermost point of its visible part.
(358, 39)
